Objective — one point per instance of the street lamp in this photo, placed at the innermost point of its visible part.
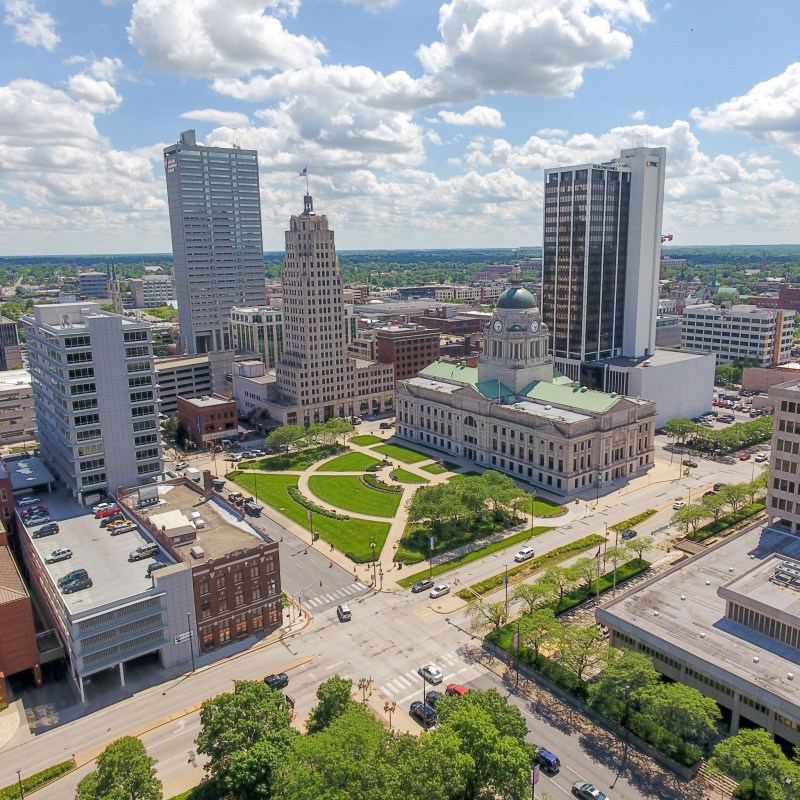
(19, 779)
(533, 503)
(431, 542)
(363, 684)
(388, 707)
(599, 481)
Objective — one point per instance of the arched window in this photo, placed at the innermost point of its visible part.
(469, 421)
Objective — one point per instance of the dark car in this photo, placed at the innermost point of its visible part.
(547, 761)
(104, 523)
(629, 534)
(431, 697)
(75, 575)
(687, 462)
(76, 585)
(49, 529)
(421, 586)
(423, 714)
(718, 486)
(279, 681)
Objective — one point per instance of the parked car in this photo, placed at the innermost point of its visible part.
(585, 791)
(385, 426)
(33, 511)
(108, 522)
(423, 714)
(431, 698)
(156, 565)
(744, 456)
(107, 512)
(524, 554)
(431, 673)
(279, 681)
(27, 501)
(548, 761)
(439, 590)
(233, 457)
(126, 527)
(761, 458)
(718, 486)
(678, 504)
(101, 506)
(181, 464)
(77, 585)
(629, 534)
(687, 462)
(75, 575)
(143, 551)
(454, 689)
(48, 528)
(421, 586)
(62, 554)
(343, 612)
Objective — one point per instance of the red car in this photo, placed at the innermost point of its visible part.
(744, 456)
(455, 689)
(33, 511)
(107, 512)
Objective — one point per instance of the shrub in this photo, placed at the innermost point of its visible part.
(379, 485)
(37, 780)
(726, 521)
(298, 497)
(633, 521)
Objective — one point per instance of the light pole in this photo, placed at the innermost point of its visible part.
(505, 583)
(19, 779)
(191, 637)
(599, 481)
(388, 707)
(372, 545)
(430, 556)
(363, 683)
(616, 561)
(533, 503)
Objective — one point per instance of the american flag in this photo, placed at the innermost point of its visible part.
(303, 172)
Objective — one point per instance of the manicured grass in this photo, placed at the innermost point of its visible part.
(366, 439)
(632, 522)
(351, 537)
(350, 462)
(297, 461)
(404, 454)
(474, 555)
(36, 781)
(434, 469)
(542, 507)
(600, 585)
(404, 476)
(348, 492)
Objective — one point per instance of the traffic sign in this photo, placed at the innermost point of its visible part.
(183, 637)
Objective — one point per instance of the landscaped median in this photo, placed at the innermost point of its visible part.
(474, 555)
(351, 537)
(632, 521)
(522, 571)
(39, 779)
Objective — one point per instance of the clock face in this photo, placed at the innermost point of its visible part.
(498, 326)
(534, 326)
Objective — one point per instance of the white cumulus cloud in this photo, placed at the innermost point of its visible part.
(231, 119)
(478, 116)
(31, 26)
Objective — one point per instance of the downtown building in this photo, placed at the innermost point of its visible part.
(510, 413)
(215, 220)
(94, 394)
(600, 268)
(316, 378)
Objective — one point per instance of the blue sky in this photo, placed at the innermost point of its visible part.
(422, 124)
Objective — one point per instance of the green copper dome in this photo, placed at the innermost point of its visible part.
(517, 297)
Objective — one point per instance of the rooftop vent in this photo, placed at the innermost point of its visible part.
(683, 597)
(790, 676)
(756, 659)
(702, 636)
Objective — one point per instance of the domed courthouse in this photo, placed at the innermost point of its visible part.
(510, 413)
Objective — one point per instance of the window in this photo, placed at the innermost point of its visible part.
(222, 603)
(240, 623)
(238, 576)
(225, 631)
(238, 598)
(220, 581)
(204, 586)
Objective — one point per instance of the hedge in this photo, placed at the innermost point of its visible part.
(600, 585)
(300, 499)
(534, 565)
(38, 780)
(379, 485)
(726, 521)
(629, 523)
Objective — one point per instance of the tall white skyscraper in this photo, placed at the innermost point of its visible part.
(218, 254)
(601, 253)
(94, 395)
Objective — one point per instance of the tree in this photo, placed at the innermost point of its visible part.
(282, 438)
(728, 373)
(640, 544)
(534, 595)
(627, 677)
(586, 569)
(683, 711)
(124, 772)
(617, 555)
(539, 627)
(562, 578)
(752, 755)
(715, 505)
(170, 428)
(335, 697)
(246, 734)
(480, 614)
(690, 516)
(680, 429)
(339, 427)
(735, 495)
(580, 648)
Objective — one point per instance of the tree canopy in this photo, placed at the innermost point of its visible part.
(124, 772)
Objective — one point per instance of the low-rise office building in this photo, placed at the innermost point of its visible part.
(153, 291)
(17, 417)
(783, 508)
(191, 376)
(208, 419)
(727, 623)
(409, 347)
(93, 285)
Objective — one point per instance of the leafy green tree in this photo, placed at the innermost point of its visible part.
(680, 429)
(580, 648)
(339, 428)
(690, 516)
(627, 678)
(683, 711)
(562, 578)
(533, 595)
(170, 427)
(715, 505)
(284, 437)
(335, 697)
(728, 373)
(124, 772)
(538, 628)
(585, 570)
(246, 735)
(735, 495)
(619, 554)
(482, 614)
(641, 544)
(752, 755)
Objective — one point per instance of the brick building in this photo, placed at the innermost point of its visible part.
(207, 419)
(410, 348)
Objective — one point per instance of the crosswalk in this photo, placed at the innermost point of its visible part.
(319, 602)
(408, 686)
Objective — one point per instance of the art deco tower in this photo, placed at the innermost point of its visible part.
(218, 255)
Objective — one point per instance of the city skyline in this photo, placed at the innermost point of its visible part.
(420, 125)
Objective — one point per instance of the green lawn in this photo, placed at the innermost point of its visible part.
(404, 476)
(351, 537)
(434, 469)
(296, 461)
(404, 454)
(366, 439)
(348, 492)
(546, 508)
(350, 462)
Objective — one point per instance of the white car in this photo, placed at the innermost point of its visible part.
(678, 504)
(62, 554)
(101, 506)
(181, 464)
(760, 458)
(28, 501)
(439, 590)
(431, 673)
(524, 554)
